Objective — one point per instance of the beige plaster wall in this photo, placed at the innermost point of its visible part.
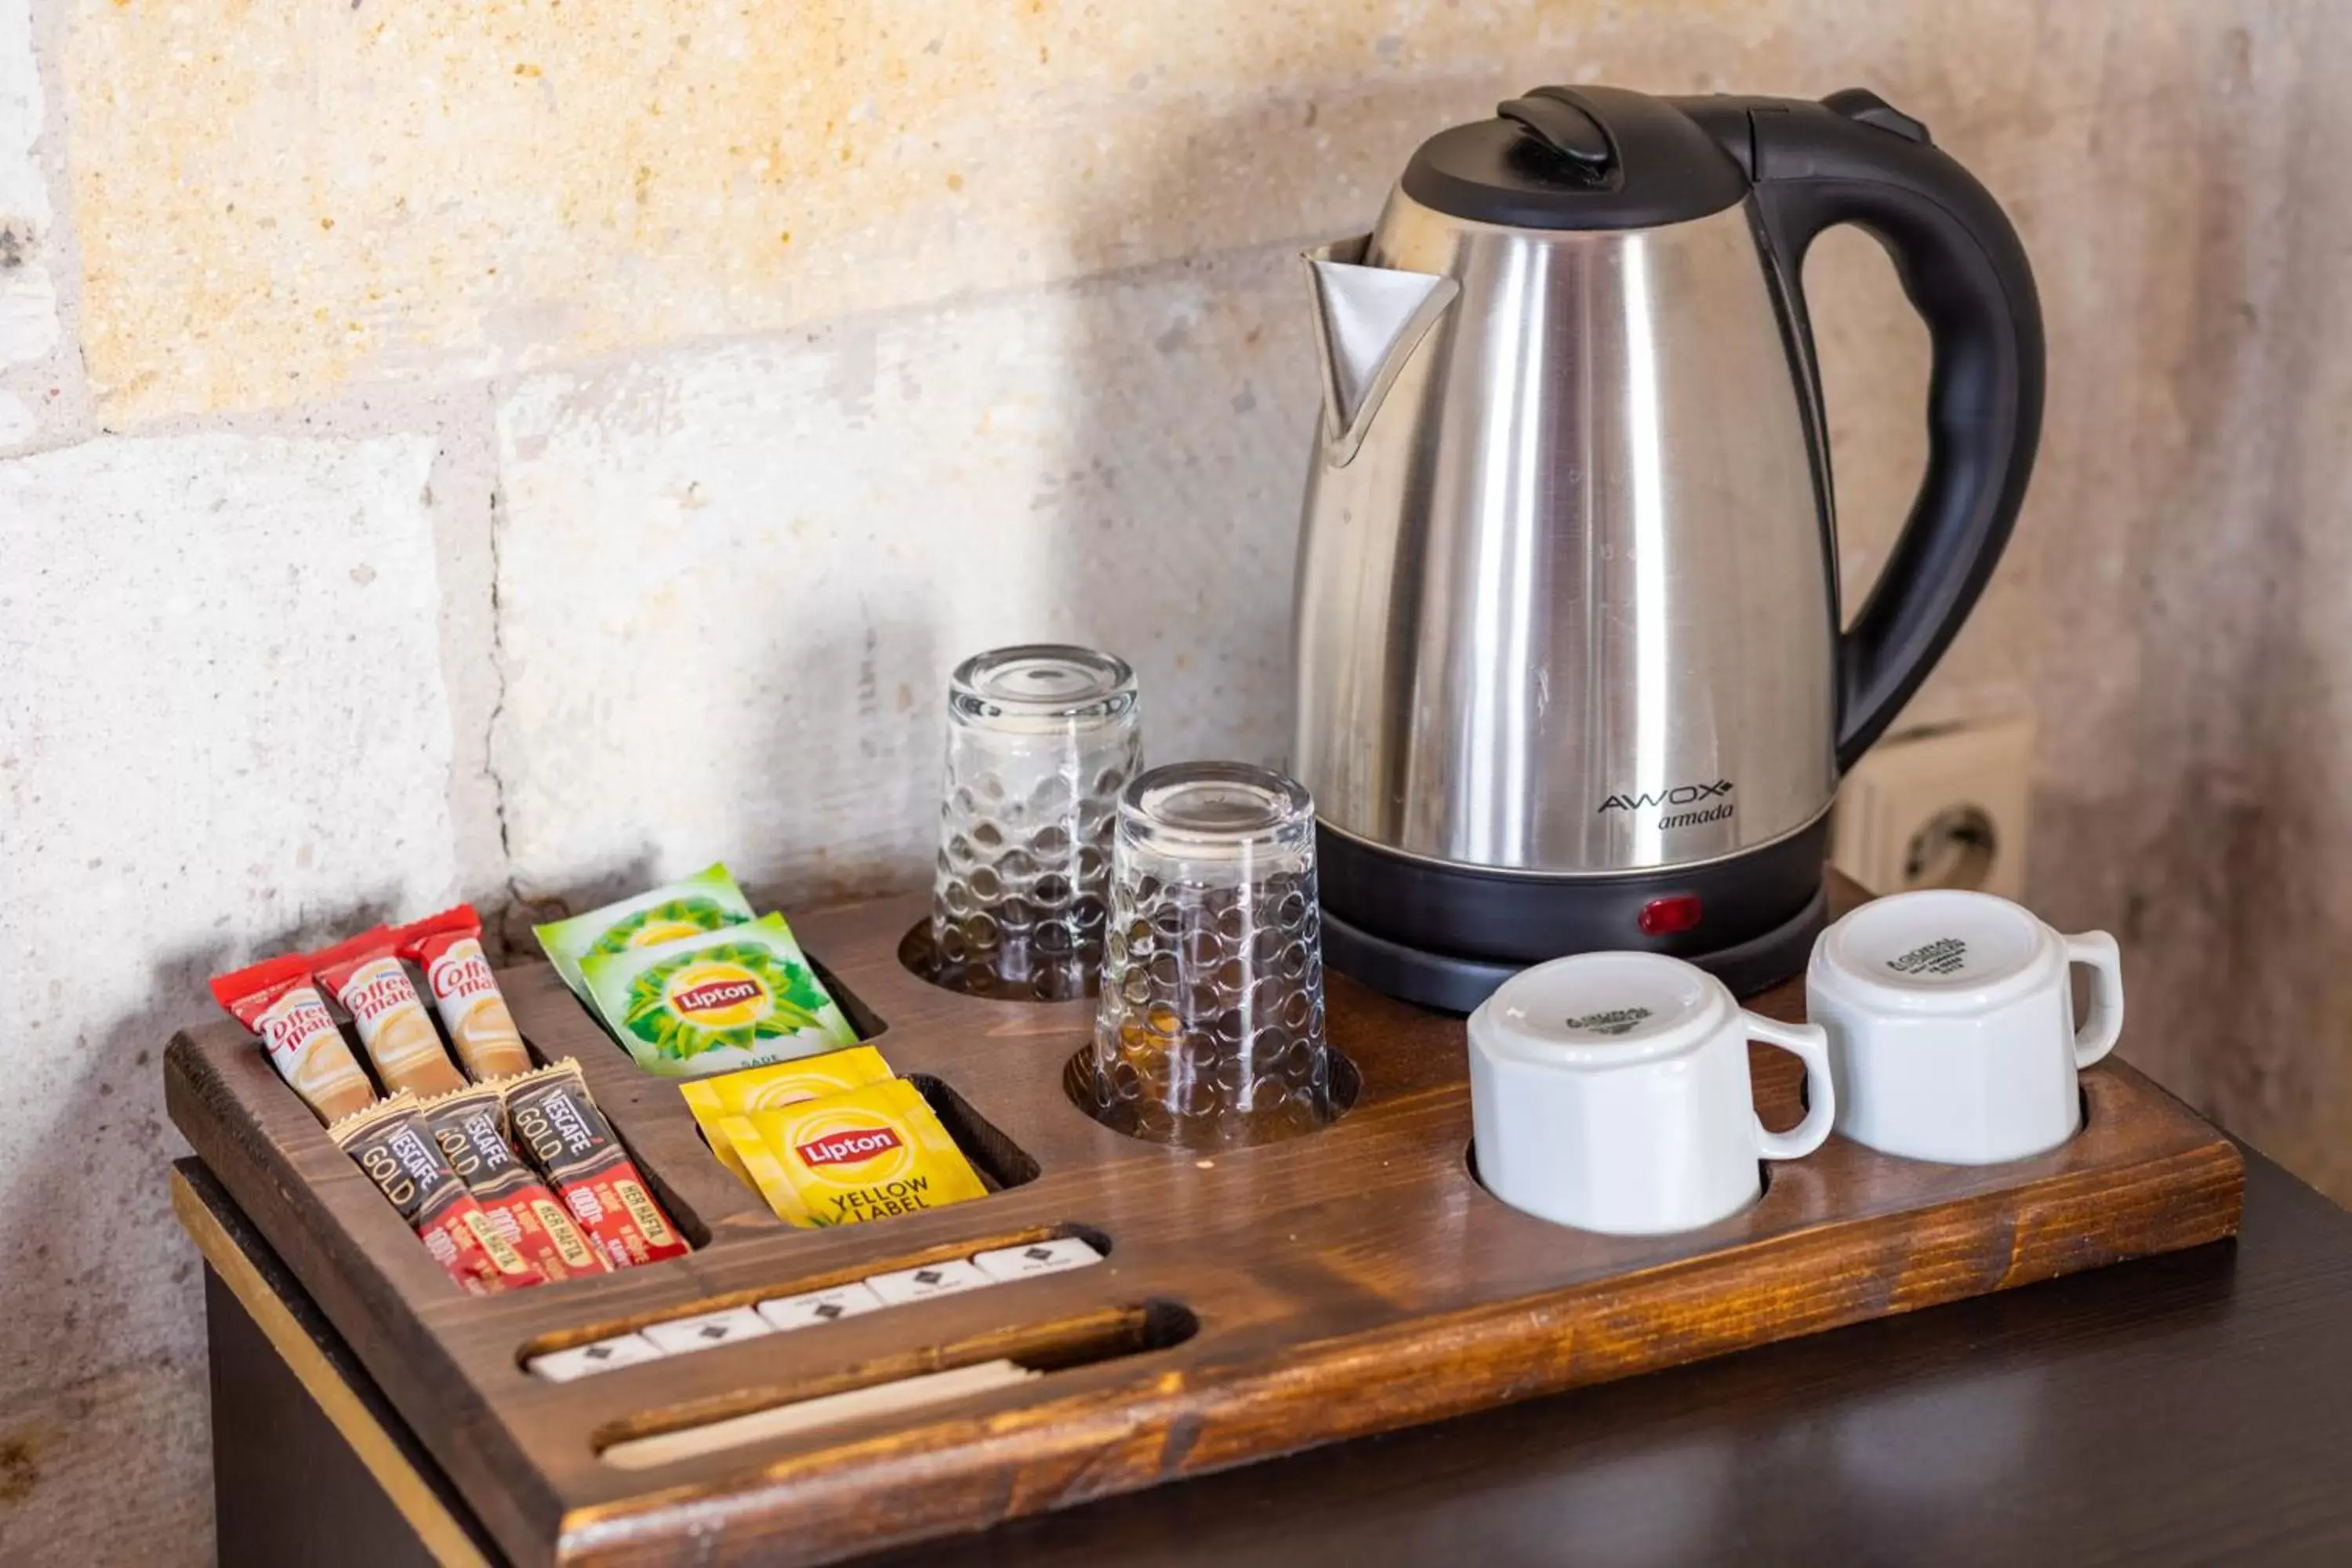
(515, 450)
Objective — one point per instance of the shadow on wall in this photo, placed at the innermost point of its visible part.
(1116, 460)
(851, 643)
(119, 1314)
(616, 879)
(1172, 405)
(1196, 391)
(839, 665)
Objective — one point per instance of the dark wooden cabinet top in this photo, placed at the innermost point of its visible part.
(2195, 1409)
(2185, 1409)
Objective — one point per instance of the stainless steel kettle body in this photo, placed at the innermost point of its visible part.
(1566, 608)
(1569, 667)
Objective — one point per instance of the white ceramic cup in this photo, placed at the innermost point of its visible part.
(1951, 1025)
(1610, 1091)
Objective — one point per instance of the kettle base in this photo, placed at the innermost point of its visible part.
(1452, 984)
(1445, 936)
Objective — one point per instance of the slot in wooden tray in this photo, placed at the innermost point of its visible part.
(1350, 1281)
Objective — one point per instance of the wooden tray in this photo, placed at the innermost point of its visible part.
(1347, 1282)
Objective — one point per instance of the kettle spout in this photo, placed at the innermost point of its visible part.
(1367, 321)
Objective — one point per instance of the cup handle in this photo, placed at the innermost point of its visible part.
(1812, 1044)
(2096, 1037)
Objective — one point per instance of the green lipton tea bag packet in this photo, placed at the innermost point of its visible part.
(706, 901)
(736, 997)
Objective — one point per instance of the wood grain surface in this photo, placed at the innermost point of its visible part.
(1352, 1281)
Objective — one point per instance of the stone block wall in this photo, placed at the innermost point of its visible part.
(517, 451)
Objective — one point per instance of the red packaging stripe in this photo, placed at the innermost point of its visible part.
(558, 1127)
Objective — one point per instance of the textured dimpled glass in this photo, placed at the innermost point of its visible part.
(1208, 1033)
(1041, 740)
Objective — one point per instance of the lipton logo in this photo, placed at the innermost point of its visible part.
(713, 994)
(844, 1148)
(1681, 794)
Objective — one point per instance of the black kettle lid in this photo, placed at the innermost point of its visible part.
(1577, 157)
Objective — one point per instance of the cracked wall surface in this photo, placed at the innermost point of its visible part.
(514, 452)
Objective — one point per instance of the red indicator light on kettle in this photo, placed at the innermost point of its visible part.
(1665, 917)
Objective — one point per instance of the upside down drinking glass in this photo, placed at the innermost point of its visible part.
(1041, 739)
(1210, 1028)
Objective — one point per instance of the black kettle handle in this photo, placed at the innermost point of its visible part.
(1852, 158)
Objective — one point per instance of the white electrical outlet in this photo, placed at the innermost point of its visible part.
(1940, 808)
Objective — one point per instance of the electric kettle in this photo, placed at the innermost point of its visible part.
(1569, 671)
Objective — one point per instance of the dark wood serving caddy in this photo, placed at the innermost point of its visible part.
(1253, 1302)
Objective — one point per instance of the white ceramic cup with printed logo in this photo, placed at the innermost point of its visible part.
(1610, 1091)
(1952, 1024)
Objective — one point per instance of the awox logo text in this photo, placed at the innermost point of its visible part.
(1681, 794)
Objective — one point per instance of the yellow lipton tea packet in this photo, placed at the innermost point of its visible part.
(868, 1154)
(712, 1099)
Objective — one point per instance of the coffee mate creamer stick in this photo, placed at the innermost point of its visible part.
(448, 948)
(365, 976)
(278, 1002)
